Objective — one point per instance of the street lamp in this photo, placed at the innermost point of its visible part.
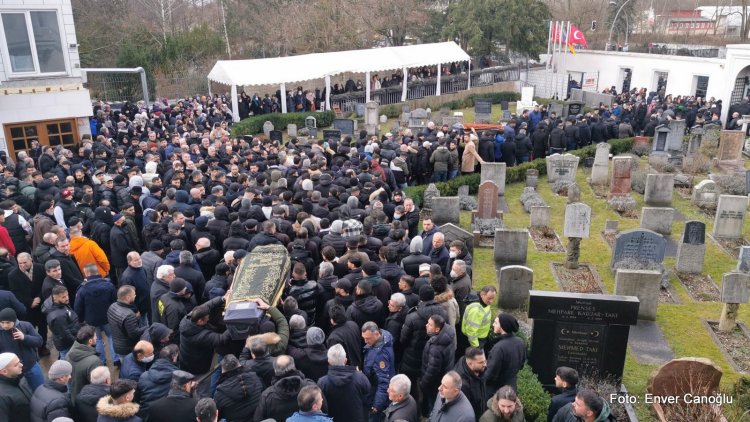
(612, 26)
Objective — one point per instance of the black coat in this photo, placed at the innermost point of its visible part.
(437, 358)
(192, 276)
(50, 400)
(120, 245)
(24, 289)
(412, 262)
(177, 406)
(263, 366)
(197, 343)
(560, 400)
(126, 330)
(506, 358)
(414, 335)
(348, 382)
(237, 394)
(87, 399)
(473, 387)
(279, 401)
(15, 398)
(405, 411)
(154, 383)
(207, 259)
(349, 336)
(71, 273)
(366, 309)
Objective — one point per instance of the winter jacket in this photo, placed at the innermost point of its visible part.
(262, 366)
(136, 277)
(84, 359)
(126, 330)
(63, 322)
(71, 273)
(158, 288)
(192, 276)
(476, 321)
(346, 381)
(437, 359)
(172, 309)
(439, 159)
(492, 414)
(151, 261)
(470, 158)
(412, 262)
(50, 400)
(119, 246)
(24, 349)
(279, 401)
(539, 142)
(15, 399)
(93, 299)
(111, 412)
(312, 360)
(308, 294)
(404, 411)
(456, 410)
(154, 383)
(237, 394)
(473, 386)
(368, 308)
(86, 252)
(87, 400)
(379, 368)
(559, 400)
(336, 241)
(557, 138)
(349, 336)
(506, 358)
(448, 302)
(132, 368)
(197, 343)
(176, 406)
(414, 335)
(565, 414)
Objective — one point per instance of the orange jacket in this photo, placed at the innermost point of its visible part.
(86, 252)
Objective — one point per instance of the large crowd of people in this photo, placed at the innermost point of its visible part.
(117, 258)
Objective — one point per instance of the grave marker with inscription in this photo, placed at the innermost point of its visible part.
(511, 246)
(587, 332)
(600, 171)
(639, 244)
(644, 285)
(660, 138)
(514, 283)
(735, 290)
(659, 189)
(487, 200)
(429, 193)
(692, 249)
(730, 216)
(658, 219)
(676, 134)
(453, 232)
(346, 126)
(562, 167)
(494, 172)
(730, 145)
(445, 209)
(620, 184)
(577, 220)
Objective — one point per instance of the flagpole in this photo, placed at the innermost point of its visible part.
(558, 62)
(567, 43)
(548, 65)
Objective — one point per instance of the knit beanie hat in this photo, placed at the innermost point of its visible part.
(60, 369)
(315, 336)
(8, 314)
(508, 322)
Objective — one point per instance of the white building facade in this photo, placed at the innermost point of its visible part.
(42, 97)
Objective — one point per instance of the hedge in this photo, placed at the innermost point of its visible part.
(254, 125)
(534, 399)
(512, 174)
(494, 97)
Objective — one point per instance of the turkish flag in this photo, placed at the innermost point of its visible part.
(577, 37)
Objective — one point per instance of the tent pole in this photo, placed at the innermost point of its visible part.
(404, 87)
(282, 100)
(367, 87)
(468, 80)
(235, 105)
(328, 92)
(439, 71)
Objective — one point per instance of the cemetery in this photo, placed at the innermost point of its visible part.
(623, 282)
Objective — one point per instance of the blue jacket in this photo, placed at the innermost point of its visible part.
(132, 369)
(154, 383)
(24, 349)
(93, 300)
(534, 118)
(173, 259)
(309, 417)
(9, 300)
(136, 277)
(499, 141)
(379, 368)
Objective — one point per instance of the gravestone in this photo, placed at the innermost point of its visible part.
(331, 134)
(620, 184)
(642, 284)
(573, 108)
(463, 190)
(735, 287)
(730, 146)
(540, 216)
(346, 126)
(482, 110)
(371, 118)
(494, 172)
(513, 285)
(639, 244)
(659, 188)
(453, 232)
(532, 178)
(511, 246)
(600, 171)
(730, 216)
(487, 200)
(695, 140)
(675, 135)
(383, 119)
(658, 219)
(267, 128)
(587, 332)
(561, 167)
(685, 377)
(556, 108)
(360, 109)
(743, 261)
(574, 193)
(291, 129)
(691, 251)
(311, 124)
(577, 220)
(445, 209)
(706, 194)
(276, 135)
(611, 226)
(660, 138)
(429, 193)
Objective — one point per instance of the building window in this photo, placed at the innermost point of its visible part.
(20, 136)
(33, 42)
(701, 86)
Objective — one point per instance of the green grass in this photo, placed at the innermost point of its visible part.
(680, 323)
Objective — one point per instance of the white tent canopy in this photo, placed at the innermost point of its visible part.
(282, 70)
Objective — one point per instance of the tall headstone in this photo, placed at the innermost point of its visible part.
(743, 261)
(267, 128)
(487, 200)
(346, 126)
(429, 193)
(562, 167)
(540, 216)
(730, 147)
(706, 194)
(691, 251)
(639, 244)
(600, 171)
(659, 189)
(730, 216)
(587, 332)
(463, 190)
(514, 283)
(695, 140)
(675, 135)
(735, 290)
(371, 118)
(291, 129)
(620, 184)
(532, 178)
(454, 232)
(658, 219)
(661, 134)
(445, 209)
(494, 172)
(577, 220)
(511, 246)
(642, 284)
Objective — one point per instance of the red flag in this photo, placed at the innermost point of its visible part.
(577, 37)
(558, 34)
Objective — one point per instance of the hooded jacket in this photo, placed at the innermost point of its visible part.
(492, 414)
(197, 343)
(506, 358)
(414, 334)
(279, 401)
(368, 308)
(111, 412)
(379, 368)
(440, 158)
(87, 400)
(565, 414)
(346, 381)
(437, 358)
(154, 383)
(473, 386)
(84, 359)
(348, 335)
(15, 397)
(93, 300)
(237, 394)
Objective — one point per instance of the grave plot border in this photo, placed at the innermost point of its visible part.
(557, 266)
(743, 328)
(557, 236)
(706, 279)
(724, 248)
